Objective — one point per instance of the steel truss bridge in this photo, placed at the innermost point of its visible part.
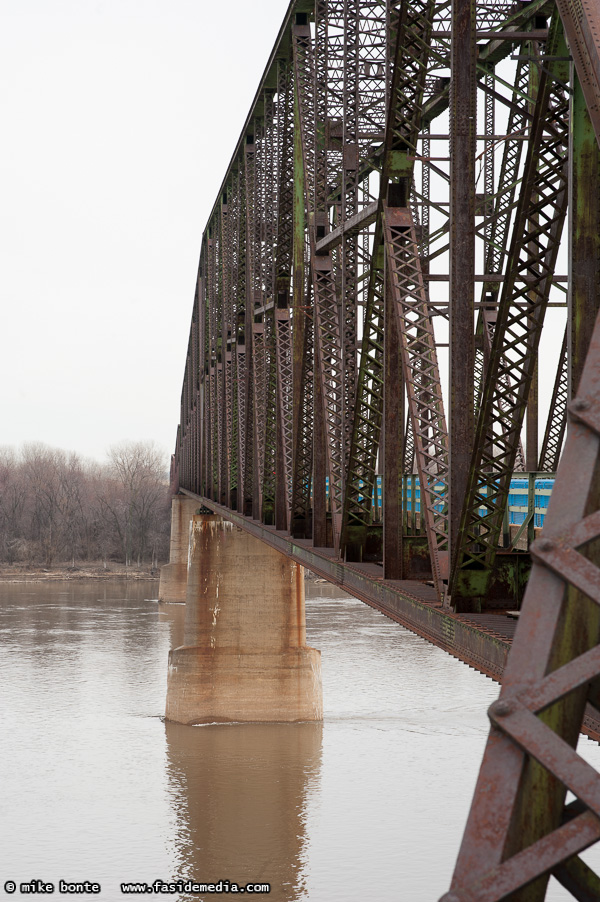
(414, 195)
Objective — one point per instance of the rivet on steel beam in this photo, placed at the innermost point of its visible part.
(543, 545)
(502, 708)
(449, 897)
(580, 404)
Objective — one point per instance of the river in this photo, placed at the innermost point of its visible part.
(96, 786)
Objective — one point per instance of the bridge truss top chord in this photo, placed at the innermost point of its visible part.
(379, 293)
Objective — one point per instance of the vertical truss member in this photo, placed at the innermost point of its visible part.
(184, 420)
(409, 41)
(217, 319)
(233, 252)
(363, 391)
(368, 407)
(349, 207)
(249, 474)
(520, 829)
(175, 470)
(202, 339)
(214, 318)
(536, 237)
(421, 374)
(283, 273)
(259, 336)
(321, 57)
(405, 279)
(240, 346)
(463, 130)
(211, 426)
(302, 351)
(268, 234)
(582, 29)
(195, 389)
(225, 330)
(497, 222)
(327, 337)
(557, 416)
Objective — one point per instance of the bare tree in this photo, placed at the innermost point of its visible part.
(54, 504)
(138, 469)
(13, 499)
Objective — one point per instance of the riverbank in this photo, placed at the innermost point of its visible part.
(20, 573)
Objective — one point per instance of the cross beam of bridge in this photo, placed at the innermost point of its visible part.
(379, 294)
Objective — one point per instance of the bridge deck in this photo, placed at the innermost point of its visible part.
(480, 640)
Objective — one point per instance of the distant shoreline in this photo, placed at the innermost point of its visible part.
(22, 574)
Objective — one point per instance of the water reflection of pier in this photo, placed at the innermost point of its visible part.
(239, 795)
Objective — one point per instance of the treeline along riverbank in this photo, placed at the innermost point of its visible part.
(59, 508)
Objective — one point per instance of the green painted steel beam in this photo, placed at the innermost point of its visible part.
(584, 229)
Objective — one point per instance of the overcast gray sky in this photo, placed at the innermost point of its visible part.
(118, 121)
(118, 118)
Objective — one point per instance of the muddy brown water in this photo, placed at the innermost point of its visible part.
(96, 786)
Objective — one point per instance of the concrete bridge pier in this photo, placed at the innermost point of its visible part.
(244, 656)
(173, 576)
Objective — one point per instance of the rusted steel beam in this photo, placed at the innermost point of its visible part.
(329, 365)
(210, 365)
(250, 488)
(283, 276)
(351, 226)
(463, 128)
(230, 331)
(423, 383)
(255, 213)
(557, 416)
(582, 28)
(393, 442)
(534, 248)
(498, 205)
(584, 235)
(368, 408)
(532, 412)
(408, 59)
(302, 355)
(554, 669)
(320, 469)
(347, 255)
(519, 830)
(225, 387)
(538, 34)
(268, 237)
(241, 371)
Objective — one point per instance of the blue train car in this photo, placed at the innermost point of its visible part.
(517, 497)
